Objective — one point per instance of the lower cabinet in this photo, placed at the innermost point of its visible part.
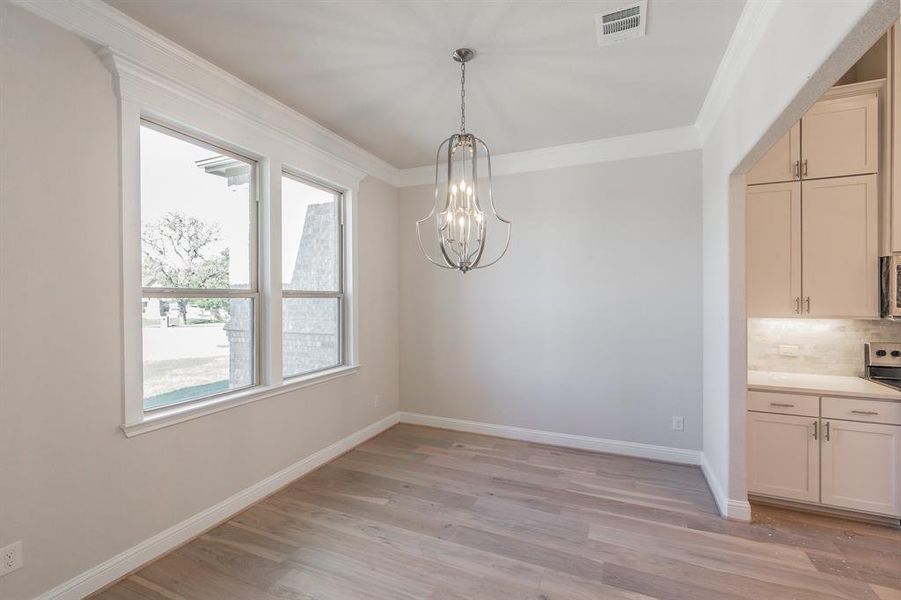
(860, 463)
(783, 456)
(843, 464)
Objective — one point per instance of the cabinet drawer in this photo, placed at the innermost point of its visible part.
(871, 411)
(786, 404)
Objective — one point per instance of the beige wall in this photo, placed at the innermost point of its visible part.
(589, 326)
(72, 487)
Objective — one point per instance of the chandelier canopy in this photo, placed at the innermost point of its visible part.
(461, 223)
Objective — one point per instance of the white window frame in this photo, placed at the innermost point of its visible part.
(146, 96)
(338, 294)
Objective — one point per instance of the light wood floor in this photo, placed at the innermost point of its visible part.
(419, 513)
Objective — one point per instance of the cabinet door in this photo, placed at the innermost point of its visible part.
(861, 466)
(783, 456)
(840, 253)
(841, 137)
(774, 250)
(781, 163)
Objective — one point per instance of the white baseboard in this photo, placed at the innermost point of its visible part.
(120, 565)
(739, 510)
(566, 440)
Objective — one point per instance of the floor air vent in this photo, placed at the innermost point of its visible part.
(622, 24)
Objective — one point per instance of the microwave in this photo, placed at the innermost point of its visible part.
(890, 287)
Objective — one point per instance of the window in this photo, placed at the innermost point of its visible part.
(312, 277)
(206, 273)
(198, 269)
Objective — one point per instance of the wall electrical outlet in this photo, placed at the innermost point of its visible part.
(789, 350)
(10, 558)
(376, 401)
(678, 423)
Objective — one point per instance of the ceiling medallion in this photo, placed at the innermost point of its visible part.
(461, 223)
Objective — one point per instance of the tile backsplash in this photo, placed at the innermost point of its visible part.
(821, 346)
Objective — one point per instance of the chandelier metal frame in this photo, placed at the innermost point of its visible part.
(460, 221)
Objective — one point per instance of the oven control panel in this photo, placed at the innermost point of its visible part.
(883, 354)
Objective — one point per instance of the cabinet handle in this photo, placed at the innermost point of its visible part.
(827, 431)
(782, 404)
(796, 169)
(798, 305)
(814, 424)
(804, 168)
(864, 412)
(807, 303)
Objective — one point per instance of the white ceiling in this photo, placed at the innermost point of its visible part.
(380, 74)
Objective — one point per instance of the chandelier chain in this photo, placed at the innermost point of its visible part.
(462, 97)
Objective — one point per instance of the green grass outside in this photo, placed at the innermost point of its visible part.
(187, 393)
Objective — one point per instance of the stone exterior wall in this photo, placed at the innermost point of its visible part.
(310, 333)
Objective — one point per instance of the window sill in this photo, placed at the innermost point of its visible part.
(179, 414)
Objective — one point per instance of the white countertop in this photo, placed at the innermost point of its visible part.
(837, 385)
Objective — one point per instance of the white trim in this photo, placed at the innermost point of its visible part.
(130, 261)
(186, 412)
(753, 22)
(651, 143)
(120, 565)
(565, 440)
(738, 510)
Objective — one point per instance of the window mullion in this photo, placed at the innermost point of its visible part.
(271, 272)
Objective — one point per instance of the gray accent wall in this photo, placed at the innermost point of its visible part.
(591, 325)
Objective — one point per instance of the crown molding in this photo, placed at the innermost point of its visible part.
(172, 102)
(130, 41)
(651, 143)
(159, 59)
(753, 22)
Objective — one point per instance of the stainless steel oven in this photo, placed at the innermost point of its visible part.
(890, 297)
(882, 362)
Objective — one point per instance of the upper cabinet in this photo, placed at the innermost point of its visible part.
(838, 137)
(839, 247)
(813, 211)
(782, 162)
(812, 248)
(774, 250)
(840, 134)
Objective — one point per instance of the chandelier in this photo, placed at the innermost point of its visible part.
(461, 223)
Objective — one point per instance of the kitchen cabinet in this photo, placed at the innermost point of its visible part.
(774, 250)
(813, 248)
(781, 163)
(840, 247)
(813, 236)
(797, 451)
(860, 466)
(837, 137)
(840, 134)
(783, 458)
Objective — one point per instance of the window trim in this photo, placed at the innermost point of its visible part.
(276, 141)
(340, 294)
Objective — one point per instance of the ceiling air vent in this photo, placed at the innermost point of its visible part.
(623, 23)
